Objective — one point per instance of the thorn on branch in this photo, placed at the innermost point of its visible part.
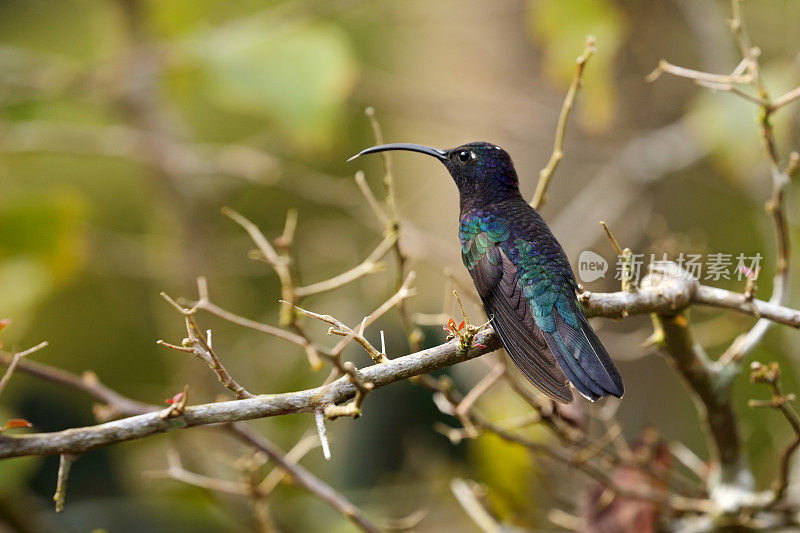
(319, 418)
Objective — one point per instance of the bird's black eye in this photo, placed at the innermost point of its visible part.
(464, 155)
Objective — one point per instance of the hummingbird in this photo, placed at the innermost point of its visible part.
(522, 275)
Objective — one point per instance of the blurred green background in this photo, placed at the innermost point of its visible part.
(126, 125)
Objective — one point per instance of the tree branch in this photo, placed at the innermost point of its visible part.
(304, 478)
(665, 295)
(79, 440)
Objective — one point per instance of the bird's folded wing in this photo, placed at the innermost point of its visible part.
(496, 279)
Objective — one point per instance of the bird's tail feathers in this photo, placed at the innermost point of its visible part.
(583, 358)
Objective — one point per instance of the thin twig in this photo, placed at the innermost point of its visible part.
(361, 181)
(472, 506)
(293, 456)
(413, 332)
(280, 262)
(306, 479)
(546, 174)
(65, 462)
(785, 99)
(15, 361)
(771, 376)
(201, 347)
(370, 265)
(176, 472)
(699, 76)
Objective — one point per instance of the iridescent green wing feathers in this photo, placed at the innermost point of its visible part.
(548, 285)
(498, 284)
(529, 292)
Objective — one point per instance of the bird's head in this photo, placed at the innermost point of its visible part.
(482, 171)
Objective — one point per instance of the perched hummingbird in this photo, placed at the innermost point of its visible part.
(522, 275)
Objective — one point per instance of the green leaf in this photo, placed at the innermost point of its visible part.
(46, 228)
(560, 28)
(508, 470)
(297, 75)
(42, 245)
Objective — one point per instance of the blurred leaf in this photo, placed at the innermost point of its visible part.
(23, 283)
(3, 323)
(44, 228)
(728, 124)
(507, 469)
(42, 245)
(179, 16)
(560, 28)
(298, 75)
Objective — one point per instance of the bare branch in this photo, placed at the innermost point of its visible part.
(776, 205)
(87, 383)
(699, 76)
(15, 361)
(558, 145)
(82, 439)
(668, 294)
(413, 332)
(176, 471)
(297, 452)
(206, 305)
(472, 506)
(717, 413)
(361, 181)
(731, 89)
(370, 265)
(661, 294)
(771, 376)
(64, 465)
(785, 99)
(280, 262)
(201, 347)
(306, 479)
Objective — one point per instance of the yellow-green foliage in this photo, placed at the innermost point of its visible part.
(560, 28)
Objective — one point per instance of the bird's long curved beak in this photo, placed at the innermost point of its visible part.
(435, 152)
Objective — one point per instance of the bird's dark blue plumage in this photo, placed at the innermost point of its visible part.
(523, 276)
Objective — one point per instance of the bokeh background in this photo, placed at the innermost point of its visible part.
(126, 125)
